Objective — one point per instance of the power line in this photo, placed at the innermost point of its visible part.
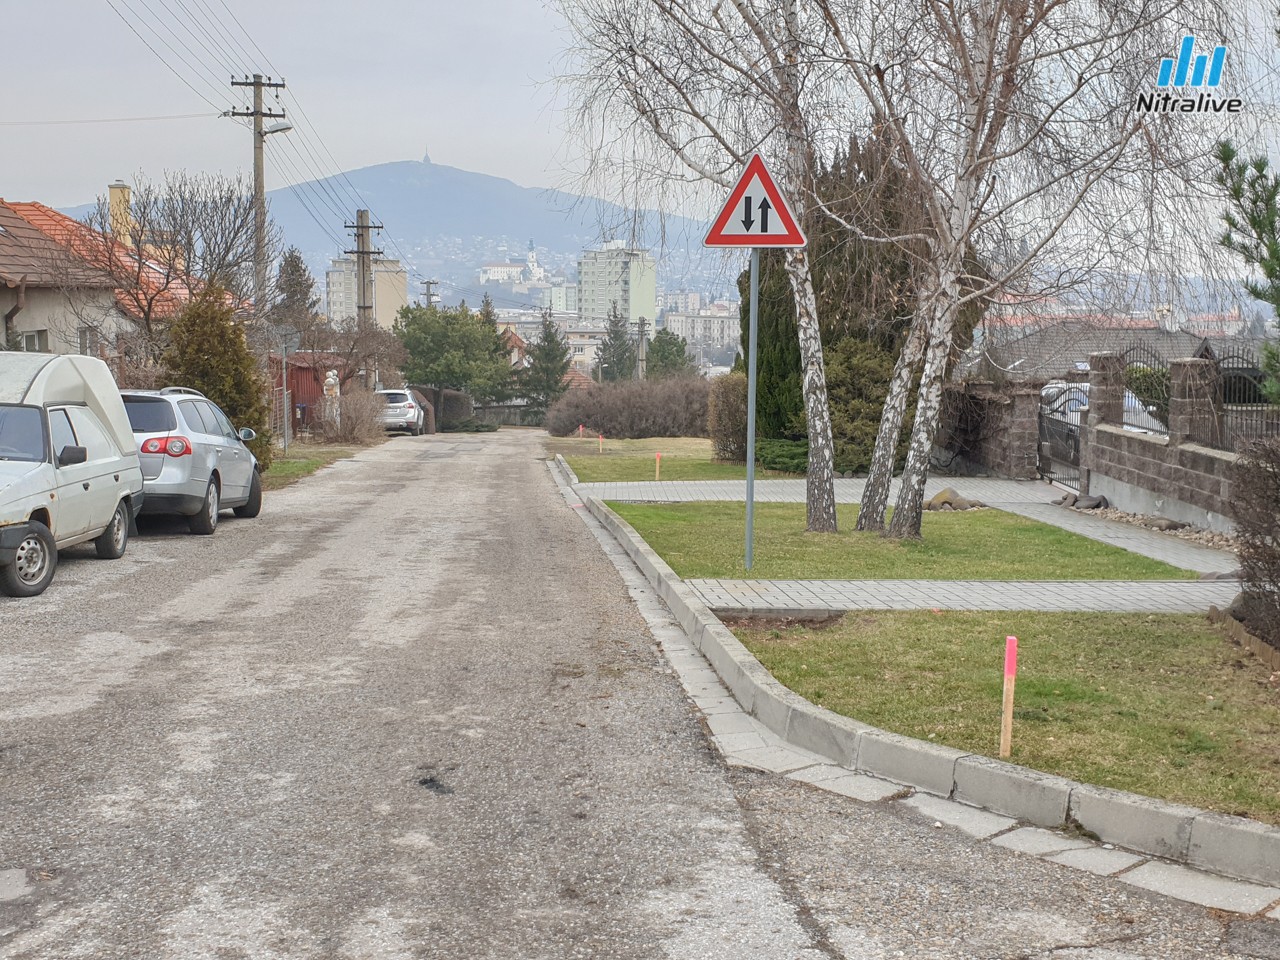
(167, 64)
(60, 123)
(188, 57)
(228, 62)
(225, 49)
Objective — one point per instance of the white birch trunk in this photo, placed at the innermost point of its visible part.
(910, 503)
(820, 481)
(875, 494)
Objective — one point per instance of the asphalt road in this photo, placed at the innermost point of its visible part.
(411, 711)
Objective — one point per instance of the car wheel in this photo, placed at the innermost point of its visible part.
(206, 521)
(112, 541)
(33, 566)
(253, 506)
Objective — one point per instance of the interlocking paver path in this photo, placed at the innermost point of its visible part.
(1119, 596)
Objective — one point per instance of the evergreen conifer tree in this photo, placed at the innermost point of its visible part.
(208, 352)
(296, 301)
(668, 357)
(542, 382)
(617, 356)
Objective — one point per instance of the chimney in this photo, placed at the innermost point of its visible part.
(121, 218)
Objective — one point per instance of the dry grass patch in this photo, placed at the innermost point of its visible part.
(1161, 705)
(683, 458)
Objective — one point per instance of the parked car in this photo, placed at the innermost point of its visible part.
(1064, 401)
(69, 468)
(194, 462)
(403, 411)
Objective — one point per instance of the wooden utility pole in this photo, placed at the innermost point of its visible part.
(364, 254)
(259, 83)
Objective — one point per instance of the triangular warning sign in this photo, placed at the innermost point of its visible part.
(756, 215)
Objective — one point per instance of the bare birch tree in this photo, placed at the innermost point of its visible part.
(181, 235)
(671, 91)
(1018, 121)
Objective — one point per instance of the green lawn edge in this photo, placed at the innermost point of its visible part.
(705, 540)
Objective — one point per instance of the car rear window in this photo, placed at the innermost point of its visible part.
(396, 397)
(149, 414)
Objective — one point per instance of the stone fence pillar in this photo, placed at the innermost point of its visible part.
(1195, 403)
(1106, 389)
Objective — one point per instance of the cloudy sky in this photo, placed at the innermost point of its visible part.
(468, 81)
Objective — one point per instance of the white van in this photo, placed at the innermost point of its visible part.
(69, 469)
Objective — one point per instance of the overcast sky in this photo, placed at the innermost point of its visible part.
(466, 80)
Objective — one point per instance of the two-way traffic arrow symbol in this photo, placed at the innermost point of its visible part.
(748, 221)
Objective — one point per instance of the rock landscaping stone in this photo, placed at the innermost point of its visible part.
(950, 499)
(1230, 575)
(1091, 503)
(1206, 538)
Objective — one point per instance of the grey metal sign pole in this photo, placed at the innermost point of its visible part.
(751, 398)
(776, 226)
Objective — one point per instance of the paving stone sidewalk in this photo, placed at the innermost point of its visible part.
(784, 597)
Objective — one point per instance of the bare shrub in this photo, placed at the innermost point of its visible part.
(632, 409)
(1255, 489)
(360, 420)
(136, 373)
(727, 417)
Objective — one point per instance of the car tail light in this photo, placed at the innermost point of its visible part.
(409, 406)
(173, 446)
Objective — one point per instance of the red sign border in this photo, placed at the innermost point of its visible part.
(794, 237)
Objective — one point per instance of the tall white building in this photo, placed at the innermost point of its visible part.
(390, 289)
(618, 273)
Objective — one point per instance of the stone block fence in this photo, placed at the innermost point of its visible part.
(1180, 476)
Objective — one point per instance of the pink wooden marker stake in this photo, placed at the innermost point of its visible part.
(657, 467)
(602, 443)
(580, 426)
(1010, 677)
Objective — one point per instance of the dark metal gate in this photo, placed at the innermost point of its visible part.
(1059, 450)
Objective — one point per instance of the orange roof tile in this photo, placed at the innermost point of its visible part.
(166, 295)
(575, 379)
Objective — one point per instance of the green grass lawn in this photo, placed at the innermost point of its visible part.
(705, 540)
(1160, 705)
(683, 458)
(303, 460)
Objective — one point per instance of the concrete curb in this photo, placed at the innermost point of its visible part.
(1232, 846)
(568, 470)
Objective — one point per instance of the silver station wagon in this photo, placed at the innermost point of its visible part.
(194, 462)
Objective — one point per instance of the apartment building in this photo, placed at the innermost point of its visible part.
(390, 289)
(617, 274)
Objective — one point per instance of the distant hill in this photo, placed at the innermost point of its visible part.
(447, 221)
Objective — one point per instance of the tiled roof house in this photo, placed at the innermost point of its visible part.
(51, 300)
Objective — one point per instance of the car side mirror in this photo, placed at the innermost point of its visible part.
(70, 456)
(246, 434)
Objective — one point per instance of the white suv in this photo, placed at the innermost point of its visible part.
(194, 462)
(402, 411)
